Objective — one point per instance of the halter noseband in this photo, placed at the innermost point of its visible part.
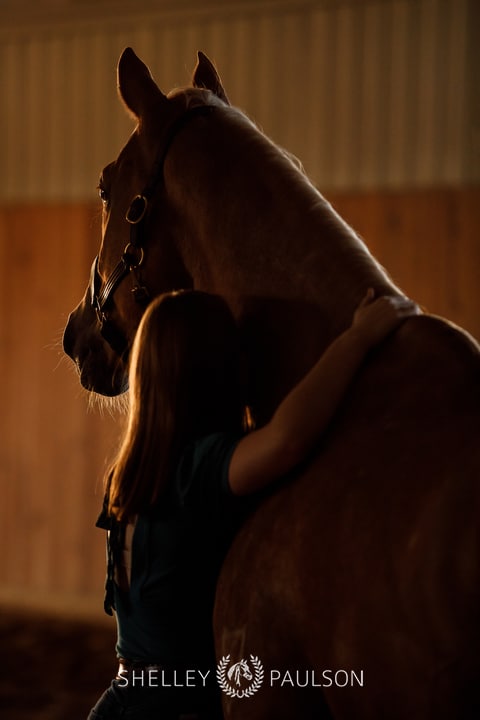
(133, 256)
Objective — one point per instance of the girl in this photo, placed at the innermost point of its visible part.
(179, 488)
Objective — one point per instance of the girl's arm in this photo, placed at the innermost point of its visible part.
(272, 451)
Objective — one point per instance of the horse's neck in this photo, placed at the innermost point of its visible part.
(256, 226)
(257, 232)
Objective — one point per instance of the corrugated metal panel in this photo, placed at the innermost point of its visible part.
(370, 94)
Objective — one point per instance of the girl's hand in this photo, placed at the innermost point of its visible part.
(374, 318)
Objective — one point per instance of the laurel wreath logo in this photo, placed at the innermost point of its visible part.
(239, 670)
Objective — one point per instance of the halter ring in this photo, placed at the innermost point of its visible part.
(137, 209)
(132, 256)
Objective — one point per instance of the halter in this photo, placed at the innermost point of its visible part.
(133, 255)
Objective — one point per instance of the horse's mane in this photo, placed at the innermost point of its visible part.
(318, 212)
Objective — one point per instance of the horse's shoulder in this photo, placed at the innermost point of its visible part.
(432, 336)
(434, 363)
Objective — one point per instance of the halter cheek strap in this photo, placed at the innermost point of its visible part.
(130, 261)
(133, 256)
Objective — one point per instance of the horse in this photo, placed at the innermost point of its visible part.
(239, 670)
(368, 559)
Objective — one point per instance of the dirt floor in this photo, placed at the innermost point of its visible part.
(52, 668)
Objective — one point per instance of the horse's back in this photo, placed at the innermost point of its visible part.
(368, 560)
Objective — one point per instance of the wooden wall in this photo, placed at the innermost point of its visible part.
(429, 241)
(53, 448)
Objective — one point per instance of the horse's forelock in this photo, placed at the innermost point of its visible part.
(193, 97)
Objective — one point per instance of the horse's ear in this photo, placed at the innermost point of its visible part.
(206, 76)
(136, 86)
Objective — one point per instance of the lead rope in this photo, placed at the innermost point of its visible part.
(114, 542)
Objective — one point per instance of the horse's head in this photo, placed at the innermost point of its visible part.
(239, 670)
(199, 197)
(139, 256)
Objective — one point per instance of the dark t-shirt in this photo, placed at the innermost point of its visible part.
(177, 550)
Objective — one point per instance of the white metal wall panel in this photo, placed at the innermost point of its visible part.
(367, 94)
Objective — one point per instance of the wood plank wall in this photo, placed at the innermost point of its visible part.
(53, 448)
(429, 241)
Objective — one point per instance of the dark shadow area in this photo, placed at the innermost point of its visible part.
(53, 668)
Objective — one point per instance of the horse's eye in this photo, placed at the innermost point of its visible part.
(103, 194)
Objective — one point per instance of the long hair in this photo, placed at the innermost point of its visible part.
(185, 382)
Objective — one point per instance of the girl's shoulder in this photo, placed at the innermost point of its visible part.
(202, 473)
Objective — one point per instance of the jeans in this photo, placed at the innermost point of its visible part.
(152, 703)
